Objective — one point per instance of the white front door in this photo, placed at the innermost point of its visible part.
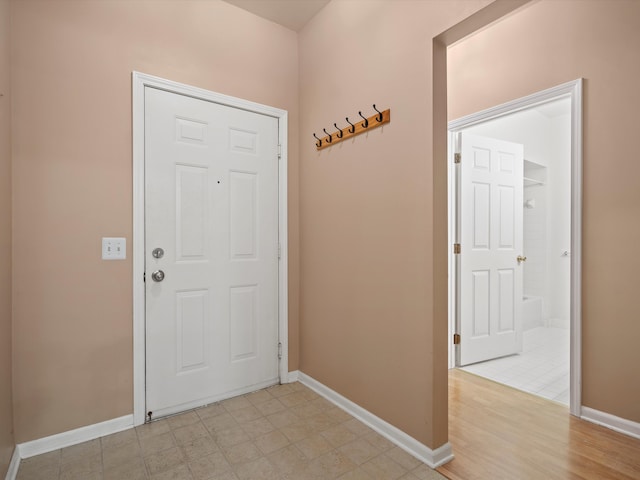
(211, 206)
(491, 213)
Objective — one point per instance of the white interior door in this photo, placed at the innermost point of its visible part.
(490, 234)
(211, 205)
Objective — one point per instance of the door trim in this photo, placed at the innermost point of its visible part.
(139, 82)
(572, 90)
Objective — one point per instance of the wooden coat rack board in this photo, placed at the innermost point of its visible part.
(352, 130)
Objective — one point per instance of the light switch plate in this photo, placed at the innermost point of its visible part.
(114, 248)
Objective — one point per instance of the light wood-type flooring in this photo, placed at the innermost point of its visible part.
(498, 432)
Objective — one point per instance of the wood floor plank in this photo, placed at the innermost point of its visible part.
(498, 432)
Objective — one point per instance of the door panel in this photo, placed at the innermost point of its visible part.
(211, 196)
(506, 296)
(242, 214)
(191, 318)
(242, 322)
(192, 187)
(490, 300)
(481, 303)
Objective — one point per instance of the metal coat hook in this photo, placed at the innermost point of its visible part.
(353, 127)
(365, 124)
(379, 116)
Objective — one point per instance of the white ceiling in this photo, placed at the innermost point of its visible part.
(293, 14)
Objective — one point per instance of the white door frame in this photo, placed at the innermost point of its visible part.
(572, 90)
(139, 82)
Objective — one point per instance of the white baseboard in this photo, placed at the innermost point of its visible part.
(433, 458)
(12, 472)
(73, 437)
(293, 376)
(621, 425)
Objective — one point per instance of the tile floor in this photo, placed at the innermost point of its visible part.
(284, 432)
(542, 368)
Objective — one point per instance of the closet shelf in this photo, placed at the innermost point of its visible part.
(529, 182)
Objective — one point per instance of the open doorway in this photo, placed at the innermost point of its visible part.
(514, 211)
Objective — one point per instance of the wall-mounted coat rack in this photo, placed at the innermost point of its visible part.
(353, 129)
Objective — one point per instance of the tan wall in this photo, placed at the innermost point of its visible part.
(367, 327)
(72, 164)
(550, 42)
(366, 227)
(6, 414)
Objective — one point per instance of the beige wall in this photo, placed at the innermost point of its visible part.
(370, 322)
(368, 328)
(6, 414)
(72, 64)
(547, 43)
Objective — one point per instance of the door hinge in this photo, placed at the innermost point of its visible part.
(279, 151)
(279, 350)
(457, 157)
(144, 277)
(456, 339)
(456, 248)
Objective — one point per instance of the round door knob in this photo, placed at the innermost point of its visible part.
(157, 276)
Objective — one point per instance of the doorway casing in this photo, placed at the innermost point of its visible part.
(573, 91)
(140, 81)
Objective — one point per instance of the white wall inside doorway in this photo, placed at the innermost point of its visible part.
(545, 132)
